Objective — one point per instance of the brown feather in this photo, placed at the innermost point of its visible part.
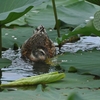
(39, 40)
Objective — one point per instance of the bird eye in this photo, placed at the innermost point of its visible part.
(42, 53)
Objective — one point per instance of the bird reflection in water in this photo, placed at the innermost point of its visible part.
(46, 67)
(40, 68)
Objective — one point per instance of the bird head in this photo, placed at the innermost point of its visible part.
(39, 55)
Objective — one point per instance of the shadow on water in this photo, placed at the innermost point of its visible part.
(41, 67)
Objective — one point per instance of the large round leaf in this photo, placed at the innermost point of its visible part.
(84, 29)
(83, 62)
(12, 10)
(15, 36)
(68, 12)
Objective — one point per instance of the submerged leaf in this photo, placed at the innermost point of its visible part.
(39, 79)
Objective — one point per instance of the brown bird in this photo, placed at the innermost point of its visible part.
(38, 47)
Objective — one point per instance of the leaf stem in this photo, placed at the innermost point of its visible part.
(56, 18)
(0, 43)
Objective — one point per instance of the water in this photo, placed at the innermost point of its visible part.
(85, 43)
(20, 68)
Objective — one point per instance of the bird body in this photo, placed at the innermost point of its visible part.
(38, 47)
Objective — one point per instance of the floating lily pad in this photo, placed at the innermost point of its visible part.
(4, 62)
(84, 62)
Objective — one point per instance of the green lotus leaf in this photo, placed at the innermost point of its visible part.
(68, 12)
(12, 10)
(4, 62)
(96, 21)
(84, 29)
(39, 79)
(82, 62)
